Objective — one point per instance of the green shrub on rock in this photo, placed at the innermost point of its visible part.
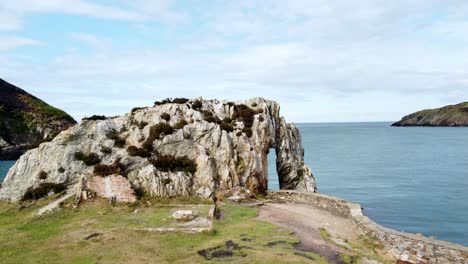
(162, 102)
(245, 114)
(166, 116)
(227, 127)
(106, 170)
(142, 124)
(247, 131)
(140, 152)
(197, 105)
(88, 159)
(135, 109)
(42, 175)
(169, 163)
(106, 150)
(95, 117)
(180, 100)
(43, 190)
(118, 141)
(172, 101)
(180, 124)
(156, 132)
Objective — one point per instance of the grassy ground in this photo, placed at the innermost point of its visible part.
(363, 247)
(60, 237)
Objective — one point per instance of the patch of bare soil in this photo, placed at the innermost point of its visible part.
(306, 221)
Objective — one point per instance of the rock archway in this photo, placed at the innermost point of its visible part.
(178, 147)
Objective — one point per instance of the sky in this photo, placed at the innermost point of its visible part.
(322, 60)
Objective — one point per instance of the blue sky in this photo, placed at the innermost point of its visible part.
(322, 60)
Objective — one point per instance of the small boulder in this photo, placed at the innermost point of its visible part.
(184, 215)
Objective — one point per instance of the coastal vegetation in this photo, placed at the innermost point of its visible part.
(156, 132)
(170, 163)
(166, 116)
(180, 124)
(34, 193)
(106, 170)
(98, 233)
(94, 118)
(172, 101)
(89, 159)
(197, 105)
(140, 152)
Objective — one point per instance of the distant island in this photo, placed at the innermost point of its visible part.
(447, 116)
(26, 121)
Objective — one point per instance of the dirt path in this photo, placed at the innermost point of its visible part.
(55, 204)
(306, 221)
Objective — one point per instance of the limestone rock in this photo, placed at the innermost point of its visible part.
(113, 186)
(184, 215)
(183, 148)
(3, 143)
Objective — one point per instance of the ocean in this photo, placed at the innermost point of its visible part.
(4, 167)
(410, 179)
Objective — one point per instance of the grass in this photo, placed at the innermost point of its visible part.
(363, 246)
(46, 109)
(59, 237)
(325, 234)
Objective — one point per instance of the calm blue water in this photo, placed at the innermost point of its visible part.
(409, 179)
(4, 167)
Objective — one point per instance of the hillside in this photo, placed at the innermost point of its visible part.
(451, 115)
(26, 121)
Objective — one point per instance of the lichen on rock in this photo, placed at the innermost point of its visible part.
(176, 148)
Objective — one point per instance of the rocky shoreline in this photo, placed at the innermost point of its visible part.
(406, 247)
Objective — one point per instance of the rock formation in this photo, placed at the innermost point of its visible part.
(451, 115)
(178, 147)
(26, 121)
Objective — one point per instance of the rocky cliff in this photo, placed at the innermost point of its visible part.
(26, 121)
(451, 115)
(178, 147)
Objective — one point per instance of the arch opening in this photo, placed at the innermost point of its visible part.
(273, 179)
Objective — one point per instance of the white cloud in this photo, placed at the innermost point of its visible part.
(13, 12)
(91, 40)
(363, 57)
(158, 10)
(69, 7)
(13, 42)
(9, 22)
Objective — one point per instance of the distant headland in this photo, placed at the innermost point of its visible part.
(447, 116)
(26, 121)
